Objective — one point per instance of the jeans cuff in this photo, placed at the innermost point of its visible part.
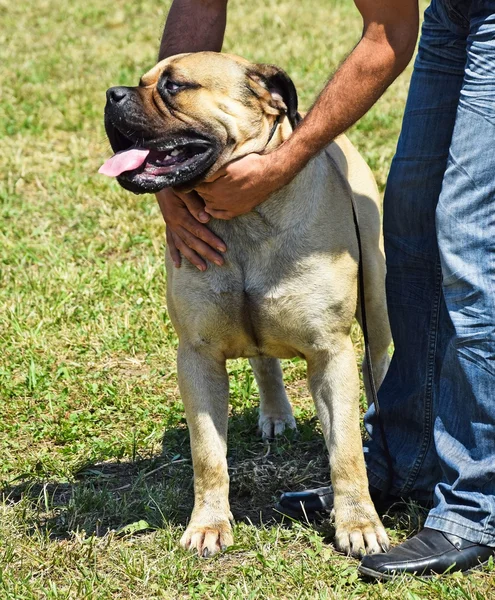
(453, 524)
(378, 478)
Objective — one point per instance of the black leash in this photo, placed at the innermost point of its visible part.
(367, 352)
(274, 128)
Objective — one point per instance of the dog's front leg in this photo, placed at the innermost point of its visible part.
(334, 384)
(204, 388)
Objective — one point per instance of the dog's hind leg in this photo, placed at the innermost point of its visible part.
(334, 384)
(204, 388)
(275, 409)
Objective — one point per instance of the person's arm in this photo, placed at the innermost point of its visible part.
(192, 26)
(387, 45)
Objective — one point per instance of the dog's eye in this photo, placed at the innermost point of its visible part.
(172, 87)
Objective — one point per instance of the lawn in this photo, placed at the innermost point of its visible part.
(95, 471)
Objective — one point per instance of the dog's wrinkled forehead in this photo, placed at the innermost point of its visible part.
(206, 83)
(214, 70)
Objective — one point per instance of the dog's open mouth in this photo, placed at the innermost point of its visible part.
(171, 163)
(152, 163)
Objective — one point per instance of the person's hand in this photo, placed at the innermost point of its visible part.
(184, 215)
(240, 186)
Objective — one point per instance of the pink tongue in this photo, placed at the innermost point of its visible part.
(126, 160)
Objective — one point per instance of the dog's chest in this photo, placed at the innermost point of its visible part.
(287, 280)
(264, 303)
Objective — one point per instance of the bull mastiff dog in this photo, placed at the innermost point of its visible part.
(289, 284)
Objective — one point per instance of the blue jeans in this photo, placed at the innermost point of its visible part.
(438, 398)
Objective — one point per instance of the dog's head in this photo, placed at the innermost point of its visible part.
(190, 115)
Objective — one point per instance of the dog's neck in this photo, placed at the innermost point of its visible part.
(301, 187)
(294, 198)
(288, 208)
(285, 209)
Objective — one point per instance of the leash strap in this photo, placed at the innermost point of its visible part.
(367, 351)
(274, 128)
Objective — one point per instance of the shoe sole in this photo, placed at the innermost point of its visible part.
(301, 516)
(372, 574)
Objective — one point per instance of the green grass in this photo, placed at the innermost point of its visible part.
(95, 466)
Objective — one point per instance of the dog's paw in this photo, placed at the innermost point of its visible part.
(207, 540)
(359, 538)
(269, 426)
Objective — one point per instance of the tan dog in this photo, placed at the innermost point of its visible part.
(289, 285)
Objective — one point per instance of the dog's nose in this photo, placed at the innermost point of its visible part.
(116, 95)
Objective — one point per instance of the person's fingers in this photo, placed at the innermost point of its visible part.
(202, 248)
(172, 247)
(162, 197)
(217, 175)
(190, 254)
(184, 219)
(186, 235)
(195, 205)
(220, 214)
(208, 191)
(203, 233)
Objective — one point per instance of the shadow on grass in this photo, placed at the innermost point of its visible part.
(149, 493)
(146, 494)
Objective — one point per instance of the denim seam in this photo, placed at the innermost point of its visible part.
(428, 396)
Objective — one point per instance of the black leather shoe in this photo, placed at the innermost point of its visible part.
(428, 553)
(318, 502)
(312, 504)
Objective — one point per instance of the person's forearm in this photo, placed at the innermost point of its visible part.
(194, 26)
(370, 68)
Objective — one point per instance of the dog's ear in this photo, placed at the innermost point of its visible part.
(282, 92)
